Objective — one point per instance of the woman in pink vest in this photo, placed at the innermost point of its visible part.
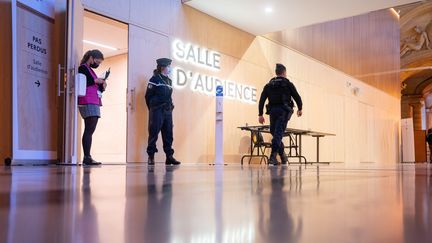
(89, 105)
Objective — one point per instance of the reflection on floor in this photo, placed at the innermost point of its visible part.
(197, 203)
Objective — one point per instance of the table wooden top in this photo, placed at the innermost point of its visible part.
(266, 129)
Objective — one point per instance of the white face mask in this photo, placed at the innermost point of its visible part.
(167, 71)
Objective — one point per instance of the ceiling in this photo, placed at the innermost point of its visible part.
(418, 76)
(418, 82)
(260, 17)
(105, 32)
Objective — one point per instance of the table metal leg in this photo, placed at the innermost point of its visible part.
(298, 153)
(318, 149)
(251, 151)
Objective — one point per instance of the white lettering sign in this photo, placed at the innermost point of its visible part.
(207, 84)
(196, 55)
(202, 83)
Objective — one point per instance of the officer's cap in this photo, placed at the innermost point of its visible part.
(163, 62)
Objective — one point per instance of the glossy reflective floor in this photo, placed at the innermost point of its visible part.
(198, 203)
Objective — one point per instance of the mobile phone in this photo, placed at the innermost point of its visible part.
(107, 73)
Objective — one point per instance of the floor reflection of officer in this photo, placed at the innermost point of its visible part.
(158, 225)
(279, 91)
(160, 105)
(148, 207)
(281, 226)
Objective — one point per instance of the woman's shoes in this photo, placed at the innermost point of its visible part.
(89, 161)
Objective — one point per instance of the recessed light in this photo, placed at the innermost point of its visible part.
(100, 45)
(396, 13)
(268, 10)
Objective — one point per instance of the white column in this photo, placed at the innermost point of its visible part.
(219, 126)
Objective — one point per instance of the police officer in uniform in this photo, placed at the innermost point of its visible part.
(279, 91)
(429, 141)
(159, 102)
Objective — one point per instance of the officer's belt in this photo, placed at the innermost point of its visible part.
(161, 105)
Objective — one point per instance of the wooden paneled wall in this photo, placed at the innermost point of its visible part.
(5, 80)
(362, 46)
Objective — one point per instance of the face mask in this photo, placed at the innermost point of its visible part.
(166, 71)
(94, 65)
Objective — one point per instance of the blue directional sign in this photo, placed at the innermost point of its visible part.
(219, 90)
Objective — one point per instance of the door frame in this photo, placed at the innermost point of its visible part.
(75, 16)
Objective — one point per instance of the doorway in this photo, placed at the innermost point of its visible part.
(111, 38)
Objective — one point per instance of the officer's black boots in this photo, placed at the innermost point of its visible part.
(170, 160)
(151, 160)
(273, 160)
(89, 161)
(284, 158)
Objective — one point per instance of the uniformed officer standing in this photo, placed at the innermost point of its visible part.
(429, 141)
(279, 91)
(160, 105)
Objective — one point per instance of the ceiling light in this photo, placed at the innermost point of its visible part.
(396, 13)
(100, 45)
(268, 9)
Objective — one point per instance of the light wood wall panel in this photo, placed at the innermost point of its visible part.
(118, 9)
(362, 46)
(151, 14)
(5, 80)
(144, 48)
(199, 28)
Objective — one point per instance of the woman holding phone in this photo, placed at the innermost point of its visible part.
(89, 105)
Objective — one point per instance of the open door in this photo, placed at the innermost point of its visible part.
(34, 99)
(75, 17)
(109, 139)
(144, 48)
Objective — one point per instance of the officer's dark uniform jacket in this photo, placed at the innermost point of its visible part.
(279, 91)
(160, 105)
(159, 91)
(429, 138)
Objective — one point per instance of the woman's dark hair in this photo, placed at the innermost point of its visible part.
(96, 54)
(158, 70)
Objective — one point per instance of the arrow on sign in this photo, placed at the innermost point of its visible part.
(38, 83)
